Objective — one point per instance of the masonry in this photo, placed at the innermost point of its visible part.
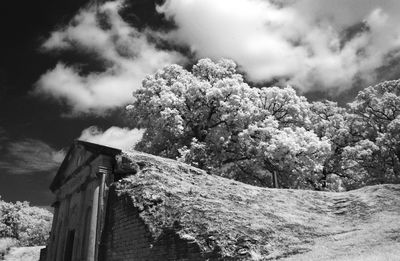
(93, 221)
(112, 205)
(80, 187)
(126, 237)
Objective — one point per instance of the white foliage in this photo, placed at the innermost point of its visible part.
(210, 118)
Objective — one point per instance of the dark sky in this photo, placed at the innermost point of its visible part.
(35, 128)
(24, 26)
(26, 117)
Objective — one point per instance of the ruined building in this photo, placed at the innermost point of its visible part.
(96, 216)
(114, 205)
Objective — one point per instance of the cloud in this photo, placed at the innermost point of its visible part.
(344, 12)
(125, 52)
(121, 138)
(312, 44)
(29, 156)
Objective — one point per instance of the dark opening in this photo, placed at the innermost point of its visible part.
(70, 246)
(85, 235)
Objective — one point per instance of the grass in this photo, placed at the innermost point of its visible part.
(244, 222)
(5, 245)
(23, 254)
(10, 252)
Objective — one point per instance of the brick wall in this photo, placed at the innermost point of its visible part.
(126, 237)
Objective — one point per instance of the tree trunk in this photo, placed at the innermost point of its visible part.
(324, 178)
(275, 179)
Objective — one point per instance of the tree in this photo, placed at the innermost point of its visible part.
(206, 118)
(29, 225)
(284, 105)
(389, 142)
(295, 153)
(180, 109)
(335, 124)
(376, 113)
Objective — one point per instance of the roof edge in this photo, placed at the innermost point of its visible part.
(92, 147)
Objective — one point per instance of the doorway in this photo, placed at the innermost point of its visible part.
(69, 246)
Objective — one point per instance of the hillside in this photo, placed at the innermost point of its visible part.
(236, 221)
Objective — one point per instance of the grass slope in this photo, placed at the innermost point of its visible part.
(243, 222)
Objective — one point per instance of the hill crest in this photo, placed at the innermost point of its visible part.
(242, 222)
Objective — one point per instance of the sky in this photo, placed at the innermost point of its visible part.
(68, 68)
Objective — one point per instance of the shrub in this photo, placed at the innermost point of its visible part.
(28, 225)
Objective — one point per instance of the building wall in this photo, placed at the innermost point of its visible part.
(126, 237)
(83, 229)
(73, 215)
(75, 222)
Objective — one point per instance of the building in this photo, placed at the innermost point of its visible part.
(112, 206)
(80, 186)
(92, 222)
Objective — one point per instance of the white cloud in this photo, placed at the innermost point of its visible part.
(128, 55)
(121, 138)
(345, 12)
(30, 156)
(301, 41)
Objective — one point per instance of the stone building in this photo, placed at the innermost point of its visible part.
(112, 206)
(115, 206)
(93, 222)
(80, 186)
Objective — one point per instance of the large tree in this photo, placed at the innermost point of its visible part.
(181, 110)
(208, 118)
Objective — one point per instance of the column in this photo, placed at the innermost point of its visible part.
(92, 244)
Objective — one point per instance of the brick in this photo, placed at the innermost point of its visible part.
(127, 238)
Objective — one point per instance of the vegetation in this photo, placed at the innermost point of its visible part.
(210, 118)
(5, 244)
(242, 222)
(23, 253)
(23, 224)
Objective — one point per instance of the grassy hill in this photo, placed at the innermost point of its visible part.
(243, 222)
